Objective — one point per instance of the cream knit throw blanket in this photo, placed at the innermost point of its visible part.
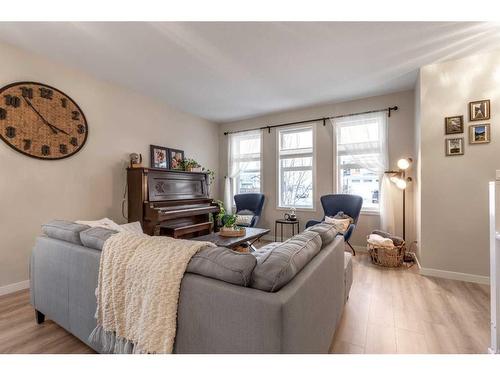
(138, 291)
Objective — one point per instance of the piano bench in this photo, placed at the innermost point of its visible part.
(183, 230)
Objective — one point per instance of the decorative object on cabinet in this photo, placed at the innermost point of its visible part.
(191, 165)
(479, 110)
(159, 156)
(454, 125)
(41, 121)
(479, 133)
(454, 146)
(175, 158)
(135, 160)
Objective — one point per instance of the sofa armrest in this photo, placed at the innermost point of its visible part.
(312, 311)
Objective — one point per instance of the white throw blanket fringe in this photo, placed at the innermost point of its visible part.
(138, 292)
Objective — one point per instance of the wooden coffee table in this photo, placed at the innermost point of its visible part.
(251, 235)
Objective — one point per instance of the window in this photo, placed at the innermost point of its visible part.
(245, 162)
(295, 164)
(361, 156)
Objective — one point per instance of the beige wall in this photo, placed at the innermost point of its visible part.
(454, 190)
(90, 184)
(401, 144)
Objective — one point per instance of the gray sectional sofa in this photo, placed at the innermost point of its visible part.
(284, 298)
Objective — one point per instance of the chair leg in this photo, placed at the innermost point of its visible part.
(352, 248)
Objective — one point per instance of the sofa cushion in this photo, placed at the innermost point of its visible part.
(223, 264)
(64, 230)
(276, 266)
(327, 232)
(95, 237)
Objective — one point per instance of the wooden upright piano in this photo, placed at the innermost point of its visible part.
(169, 202)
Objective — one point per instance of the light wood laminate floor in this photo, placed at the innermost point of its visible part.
(400, 311)
(389, 311)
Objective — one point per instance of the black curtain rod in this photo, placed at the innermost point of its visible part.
(269, 127)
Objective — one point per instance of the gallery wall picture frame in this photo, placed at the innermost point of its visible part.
(479, 134)
(479, 110)
(159, 157)
(175, 158)
(454, 125)
(454, 146)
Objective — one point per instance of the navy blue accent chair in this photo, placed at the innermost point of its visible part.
(348, 203)
(250, 204)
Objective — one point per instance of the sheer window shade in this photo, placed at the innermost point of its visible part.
(244, 165)
(362, 158)
(295, 167)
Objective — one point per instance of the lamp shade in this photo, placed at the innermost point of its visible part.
(404, 163)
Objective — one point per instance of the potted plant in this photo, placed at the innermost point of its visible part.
(191, 165)
(228, 221)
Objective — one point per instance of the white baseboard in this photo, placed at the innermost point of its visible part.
(455, 275)
(11, 288)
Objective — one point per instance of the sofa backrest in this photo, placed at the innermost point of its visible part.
(277, 265)
(327, 232)
(215, 262)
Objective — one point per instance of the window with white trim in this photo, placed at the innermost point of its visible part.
(245, 162)
(361, 156)
(296, 167)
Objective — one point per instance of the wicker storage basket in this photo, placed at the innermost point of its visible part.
(387, 256)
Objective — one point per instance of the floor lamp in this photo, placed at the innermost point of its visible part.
(398, 177)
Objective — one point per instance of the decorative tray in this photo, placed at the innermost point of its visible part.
(230, 232)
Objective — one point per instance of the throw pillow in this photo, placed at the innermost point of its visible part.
(340, 224)
(243, 219)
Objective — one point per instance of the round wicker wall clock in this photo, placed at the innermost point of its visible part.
(41, 121)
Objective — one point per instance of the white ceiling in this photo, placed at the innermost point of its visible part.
(227, 71)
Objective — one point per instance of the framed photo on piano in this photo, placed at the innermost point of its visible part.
(159, 157)
(176, 159)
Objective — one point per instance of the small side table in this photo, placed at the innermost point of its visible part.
(286, 222)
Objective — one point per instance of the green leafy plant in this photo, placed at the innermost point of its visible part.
(211, 175)
(229, 221)
(189, 164)
(222, 210)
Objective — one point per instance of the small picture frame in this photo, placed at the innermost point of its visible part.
(479, 133)
(479, 110)
(454, 125)
(159, 157)
(454, 146)
(175, 158)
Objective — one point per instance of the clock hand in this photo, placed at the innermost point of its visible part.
(58, 129)
(54, 129)
(39, 115)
